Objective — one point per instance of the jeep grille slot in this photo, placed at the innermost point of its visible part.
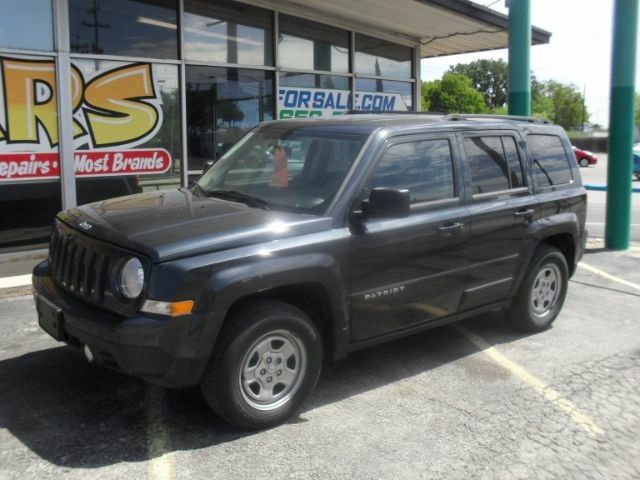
(77, 266)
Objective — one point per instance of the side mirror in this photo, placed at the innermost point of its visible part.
(207, 165)
(387, 203)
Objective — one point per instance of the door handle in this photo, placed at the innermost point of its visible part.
(524, 213)
(448, 228)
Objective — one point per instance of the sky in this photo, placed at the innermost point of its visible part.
(579, 51)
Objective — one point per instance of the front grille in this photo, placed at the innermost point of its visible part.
(77, 266)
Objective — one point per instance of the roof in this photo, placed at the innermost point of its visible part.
(442, 27)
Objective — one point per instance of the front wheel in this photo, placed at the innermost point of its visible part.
(542, 292)
(266, 365)
(584, 162)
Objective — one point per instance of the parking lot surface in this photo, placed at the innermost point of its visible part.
(475, 400)
(597, 201)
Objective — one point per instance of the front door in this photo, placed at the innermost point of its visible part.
(411, 270)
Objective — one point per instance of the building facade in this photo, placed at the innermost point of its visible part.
(102, 98)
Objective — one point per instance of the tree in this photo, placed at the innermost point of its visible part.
(489, 77)
(637, 108)
(453, 93)
(559, 102)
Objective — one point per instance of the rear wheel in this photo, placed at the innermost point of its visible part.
(267, 364)
(542, 292)
(584, 162)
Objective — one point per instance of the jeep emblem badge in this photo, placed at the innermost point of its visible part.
(84, 225)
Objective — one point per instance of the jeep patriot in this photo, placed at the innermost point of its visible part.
(310, 239)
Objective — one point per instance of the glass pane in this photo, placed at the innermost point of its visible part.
(222, 104)
(488, 167)
(227, 32)
(127, 126)
(424, 168)
(26, 25)
(383, 95)
(290, 168)
(381, 58)
(516, 175)
(550, 162)
(135, 28)
(312, 46)
(303, 95)
(29, 165)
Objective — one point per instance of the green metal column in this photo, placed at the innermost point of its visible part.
(519, 57)
(621, 124)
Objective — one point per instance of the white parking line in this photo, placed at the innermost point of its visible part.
(534, 382)
(158, 440)
(17, 281)
(608, 276)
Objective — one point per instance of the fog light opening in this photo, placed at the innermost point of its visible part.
(88, 354)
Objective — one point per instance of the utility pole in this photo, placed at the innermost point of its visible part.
(96, 25)
(621, 124)
(584, 108)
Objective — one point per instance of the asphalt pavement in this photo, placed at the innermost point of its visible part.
(475, 400)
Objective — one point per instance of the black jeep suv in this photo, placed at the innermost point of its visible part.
(311, 239)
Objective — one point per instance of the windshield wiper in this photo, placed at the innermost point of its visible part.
(238, 196)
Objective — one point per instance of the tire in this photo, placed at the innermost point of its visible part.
(541, 295)
(584, 162)
(265, 366)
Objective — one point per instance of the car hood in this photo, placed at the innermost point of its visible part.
(171, 224)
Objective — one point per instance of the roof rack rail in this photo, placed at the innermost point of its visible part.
(512, 118)
(394, 112)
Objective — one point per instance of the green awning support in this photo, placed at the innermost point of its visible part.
(621, 124)
(520, 57)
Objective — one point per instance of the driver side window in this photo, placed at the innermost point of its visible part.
(424, 167)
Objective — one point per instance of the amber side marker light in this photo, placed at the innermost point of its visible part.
(173, 309)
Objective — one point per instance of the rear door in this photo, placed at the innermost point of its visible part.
(409, 271)
(501, 207)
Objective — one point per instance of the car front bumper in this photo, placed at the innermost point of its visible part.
(156, 348)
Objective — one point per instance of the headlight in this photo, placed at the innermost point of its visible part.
(131, 278)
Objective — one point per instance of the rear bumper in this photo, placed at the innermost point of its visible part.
(157, 348)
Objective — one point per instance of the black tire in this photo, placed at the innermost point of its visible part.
(584, 162)
(264, 328)
(529, 310)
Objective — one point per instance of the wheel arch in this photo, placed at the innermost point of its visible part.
(313, 283)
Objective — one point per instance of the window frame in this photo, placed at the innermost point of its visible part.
(526, 176)
(458, 184)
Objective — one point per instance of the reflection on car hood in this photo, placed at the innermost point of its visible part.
(171, 224)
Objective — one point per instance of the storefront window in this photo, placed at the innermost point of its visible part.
(381, 58)
(127, 128)
(383, 95)
(26, 25)
(307, 45)
(222, 104)
(30, 193)
(134, 28)
(227, 32)
(303, 95)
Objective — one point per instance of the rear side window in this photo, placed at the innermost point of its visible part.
(494, 163)
(550, 163)
(425, 168)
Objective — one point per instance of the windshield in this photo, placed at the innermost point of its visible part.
(293, 169)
